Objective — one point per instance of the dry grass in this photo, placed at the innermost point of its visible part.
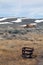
(11, 51)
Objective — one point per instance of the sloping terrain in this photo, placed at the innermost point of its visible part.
(14, 22)
(13, 39)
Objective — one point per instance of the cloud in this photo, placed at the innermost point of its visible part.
(26, 8)
(30, 2)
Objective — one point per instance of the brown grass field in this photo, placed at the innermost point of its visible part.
(11, 51)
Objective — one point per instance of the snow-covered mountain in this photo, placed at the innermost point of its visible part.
(13, 21)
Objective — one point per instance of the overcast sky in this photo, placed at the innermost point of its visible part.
(21, 8)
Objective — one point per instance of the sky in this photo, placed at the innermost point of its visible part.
(21, 8)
